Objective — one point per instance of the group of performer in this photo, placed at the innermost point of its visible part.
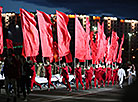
(100, 73)
(21, 73)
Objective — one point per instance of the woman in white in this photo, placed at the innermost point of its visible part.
(121, 74)
(129, 75)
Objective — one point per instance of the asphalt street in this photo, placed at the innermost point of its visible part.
(108, 94)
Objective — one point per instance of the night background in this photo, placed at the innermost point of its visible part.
(118, 8)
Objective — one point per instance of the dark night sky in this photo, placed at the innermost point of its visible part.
(119, 8)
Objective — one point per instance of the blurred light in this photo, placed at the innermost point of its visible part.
(122, 48)
(133, 57)
(130, 34)
(105, 18)
(132, 49)
(17, 26)
(122, 20)
(71, 16)
(94, 17)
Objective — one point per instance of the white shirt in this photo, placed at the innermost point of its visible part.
(121, 72)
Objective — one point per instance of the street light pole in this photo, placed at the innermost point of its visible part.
(129, 50)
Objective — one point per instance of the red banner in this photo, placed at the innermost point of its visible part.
(46, 36)
(119, 59)
(80, 48)
(30, 34)
(63, 34)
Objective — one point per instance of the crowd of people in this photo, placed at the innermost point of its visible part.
(20, 74)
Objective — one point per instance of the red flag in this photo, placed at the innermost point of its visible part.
(63, 34)
(101, 42)
(68, 58)
(112, 48)
(46, 36)
(9, 43)
(1, 32)
(80, 48)
(115, 52)
(88, 53)
(119, 59)
(30, 33)
(107, 50)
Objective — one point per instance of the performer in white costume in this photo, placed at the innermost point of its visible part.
(121, 74)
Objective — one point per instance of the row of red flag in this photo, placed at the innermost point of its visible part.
(85, 47)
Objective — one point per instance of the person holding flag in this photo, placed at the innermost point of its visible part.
(48, 74)
(78, 77)
(88, 77)
(65, 75)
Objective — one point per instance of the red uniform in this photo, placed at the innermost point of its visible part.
(88, 77)
(97, 77)
(49, 75)
(108, 75)
(78, 77)
(33, 78)
(102, 73)
(116, 76)
(65, 76)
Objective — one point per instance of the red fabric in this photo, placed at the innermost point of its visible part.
(46, 36)
(9, 43)
(115, 52)
(63, 34)
(30, 34)
(87, 40)
(93, 49)
(1, 32)
(112, 48)
(33, 59)
(101, 42)
(119, 59)
(80, 48)
(107, 50)
(68, 58)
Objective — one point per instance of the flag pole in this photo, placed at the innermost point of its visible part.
(112, 68)
(26, 58)
(43, 60)
(74, 62)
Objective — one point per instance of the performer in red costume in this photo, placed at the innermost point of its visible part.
(103, 74)
(33, 77)
(115, 76)
(88, 76)
(108, 75)
(97, 77)
(48, 74)
(65, 75)
(78, 77)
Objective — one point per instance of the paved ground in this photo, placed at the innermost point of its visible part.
(107, 94)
